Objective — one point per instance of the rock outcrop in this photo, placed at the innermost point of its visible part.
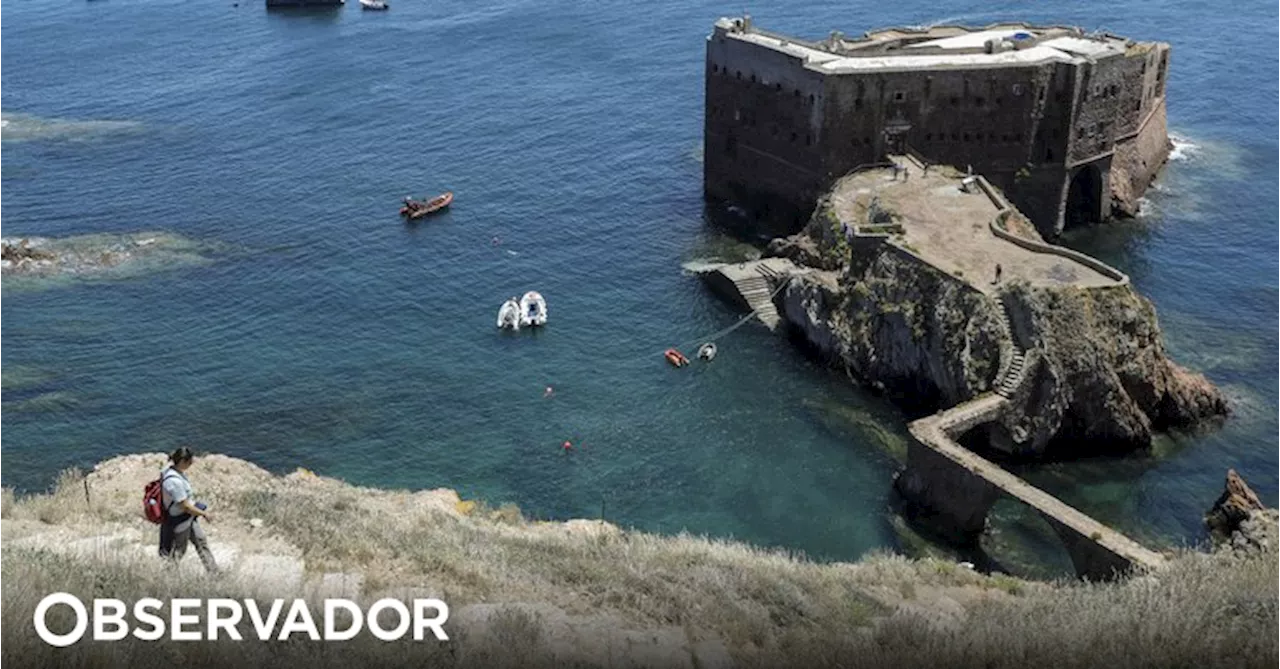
(1097, 378)
(1104, 377)
(35, 260)
(1239, 520)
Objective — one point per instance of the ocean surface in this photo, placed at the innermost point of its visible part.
(299, 323)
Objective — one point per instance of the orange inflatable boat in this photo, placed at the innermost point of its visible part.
(676, 358)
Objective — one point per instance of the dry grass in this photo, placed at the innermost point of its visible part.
(7, 502)
(768, 608)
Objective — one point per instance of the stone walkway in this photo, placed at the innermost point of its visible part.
(938, 433)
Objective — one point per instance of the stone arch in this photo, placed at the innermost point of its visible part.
(1084, 197)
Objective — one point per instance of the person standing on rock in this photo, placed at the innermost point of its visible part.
(180, 525)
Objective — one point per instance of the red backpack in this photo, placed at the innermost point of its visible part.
(153, 501)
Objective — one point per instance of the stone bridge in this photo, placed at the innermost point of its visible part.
(950, 489)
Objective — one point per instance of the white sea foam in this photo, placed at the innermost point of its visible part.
(1183, 148)
(27, 127)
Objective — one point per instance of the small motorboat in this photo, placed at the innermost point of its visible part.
(676, 358)
(533, 309)
(707, 351)
(413, 209)
(374, 5)
(509, 314)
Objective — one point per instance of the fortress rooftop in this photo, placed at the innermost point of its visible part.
(949, 220)
(938, 47)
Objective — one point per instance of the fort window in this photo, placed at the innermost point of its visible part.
(1004, 138)
(928, 137)
(808, 140)
(979, 101)
(715, 69)
(898, 96)
(739, 73)
(777, 88)
(955, 101)
(866, 141)
(857, 104)
(1080, 133)
(796, 93)
(999, 101)
(811, 98)
(955, 137)
(978, 137)
(793, 137)
(966, 137)
(753, 78)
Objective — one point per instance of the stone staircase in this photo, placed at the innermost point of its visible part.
(1015, 370)
(757, 290)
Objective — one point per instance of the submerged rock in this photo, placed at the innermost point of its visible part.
(43, 260)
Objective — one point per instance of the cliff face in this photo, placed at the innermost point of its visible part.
(1097, 374)
(1104, 377)
(902, 326)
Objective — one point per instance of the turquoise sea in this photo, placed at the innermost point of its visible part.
(300, 323)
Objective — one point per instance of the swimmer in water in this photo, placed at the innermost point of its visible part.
(549, 392)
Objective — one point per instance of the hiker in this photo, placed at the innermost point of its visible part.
(998, 270)
(182, 513)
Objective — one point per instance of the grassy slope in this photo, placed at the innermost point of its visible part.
(765, 608)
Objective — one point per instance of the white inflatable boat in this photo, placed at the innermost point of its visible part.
(533, 309)
(509, 314)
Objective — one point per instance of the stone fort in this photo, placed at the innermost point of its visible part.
(1071, 126)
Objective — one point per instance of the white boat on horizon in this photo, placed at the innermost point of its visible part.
(509, 314)
(374, 4)
(533, 309)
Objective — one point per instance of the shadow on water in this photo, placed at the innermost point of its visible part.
(732, 220)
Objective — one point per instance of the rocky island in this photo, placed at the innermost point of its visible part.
(929, 286)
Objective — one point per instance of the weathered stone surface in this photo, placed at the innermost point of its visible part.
(1238, 521)
(1098, 376)
(1104, 377)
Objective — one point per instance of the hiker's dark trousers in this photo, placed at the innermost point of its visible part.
(176, 532)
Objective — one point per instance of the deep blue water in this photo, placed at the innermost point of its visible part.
(324, 333)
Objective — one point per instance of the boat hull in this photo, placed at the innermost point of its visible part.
(533, 309)
(434, 205)
(509, 315)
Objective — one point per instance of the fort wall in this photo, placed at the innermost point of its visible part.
(782, 126)
(762, 124)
